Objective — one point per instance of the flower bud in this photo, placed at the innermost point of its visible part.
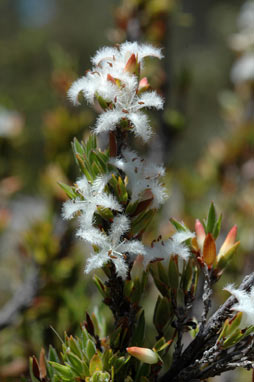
(209, 250)
(132, 65)
(143, 85)
(200, 233)
(143, 354)
(229, 242)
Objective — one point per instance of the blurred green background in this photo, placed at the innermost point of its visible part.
(205, 136)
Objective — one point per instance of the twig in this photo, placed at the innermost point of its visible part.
(207, 294)
(199, 344)
(21, 300)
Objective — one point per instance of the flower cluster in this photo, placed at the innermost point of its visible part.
(116, 85)
(143, 178)
(115, 204)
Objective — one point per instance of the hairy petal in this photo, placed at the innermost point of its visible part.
(75, 89)
(107, 121)
(119, 227)
(141, 125)
(151, 99)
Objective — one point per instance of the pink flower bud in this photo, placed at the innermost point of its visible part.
(131, 65)
(200, 233)
(143, 85)
(229, 241)
(143, 354)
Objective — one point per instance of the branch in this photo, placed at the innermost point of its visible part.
(21, 300)
(199, 344)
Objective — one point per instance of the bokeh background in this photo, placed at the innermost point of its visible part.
(205, 136)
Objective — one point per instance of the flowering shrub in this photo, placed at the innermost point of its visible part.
(114, 201)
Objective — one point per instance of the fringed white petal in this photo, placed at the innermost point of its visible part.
(159, 193)
(157, 251)
(70, 208)
(75, 89)
(133, 247)
(108, 201)
(105, 53)
(107, 121)
(146, 50)
(96, 261)
(128, 48)
(121, 267)
(83, 185)
(245, 304)
(151, 99)
(119, 227)
(92, 236)
(174, 248)
(182, 236)
(141, 125)
(100, 182)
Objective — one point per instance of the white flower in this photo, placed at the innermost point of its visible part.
(142, 177)
(245, 305)
(120, 56)
(173, 246)
(114, 80)
(246, 17)
(114, 248)
(91, 196)
(243, 69)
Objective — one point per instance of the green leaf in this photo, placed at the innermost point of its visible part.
(74, 346)
(173, 273)
(76, 363)
(52, 354)
(63, 371)
(68, 190)
(95, 364)
(90, 349)
(33, 378)
(211, 219)
(138, 335)
(77, 148)
(217, 227)
(100, 286)
(180, 227)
